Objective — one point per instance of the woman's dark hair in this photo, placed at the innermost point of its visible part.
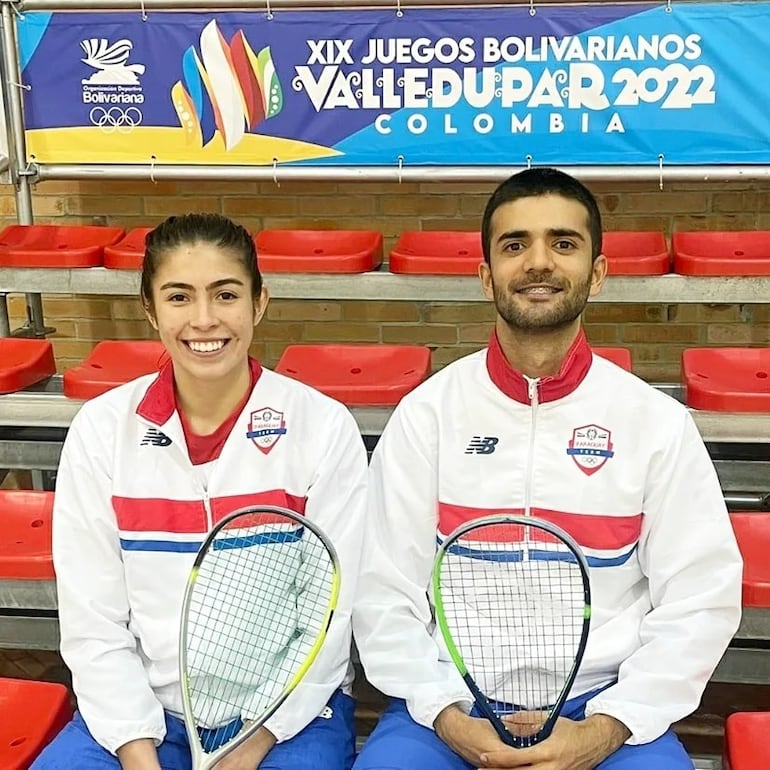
(533, 183)
(188, 229)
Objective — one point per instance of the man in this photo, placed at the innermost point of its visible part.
(666, 599)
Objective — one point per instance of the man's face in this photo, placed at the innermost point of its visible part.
(541, 274)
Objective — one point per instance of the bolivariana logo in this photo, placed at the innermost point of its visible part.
(110, 60)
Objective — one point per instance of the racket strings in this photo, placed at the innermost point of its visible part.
(257, 607)
(514, 604)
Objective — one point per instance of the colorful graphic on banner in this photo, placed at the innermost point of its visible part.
(586, 84)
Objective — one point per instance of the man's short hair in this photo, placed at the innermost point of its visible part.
(534, 182)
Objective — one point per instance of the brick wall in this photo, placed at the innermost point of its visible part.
(656, 334)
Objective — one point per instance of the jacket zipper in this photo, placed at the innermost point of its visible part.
(534, 403)
(207, 506)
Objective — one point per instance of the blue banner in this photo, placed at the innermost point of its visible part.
(595, 84)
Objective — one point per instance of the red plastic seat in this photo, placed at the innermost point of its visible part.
(358, 375)
(55, 245)
(619, 356)
(635, 252)
(752, 531)
(727, 379)
(746, 735)
(24, 362)
(127, 253)
(318, 251)
(112, 363)
(743, 252)
(437, 253)
(25, 547)
(33, 714)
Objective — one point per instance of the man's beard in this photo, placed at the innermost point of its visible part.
(571, 303)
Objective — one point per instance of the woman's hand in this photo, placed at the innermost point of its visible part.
(140, 754)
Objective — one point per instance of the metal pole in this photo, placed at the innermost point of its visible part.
(16, 130)
(5, 324)
(134, 5)
(395, 173)
(747, 501)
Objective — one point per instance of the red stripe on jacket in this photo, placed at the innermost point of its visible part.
(607, 533)
(140, 514)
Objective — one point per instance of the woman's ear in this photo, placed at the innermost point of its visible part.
(150, 315)
(260, 305)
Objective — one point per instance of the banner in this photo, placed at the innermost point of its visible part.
(594, 84)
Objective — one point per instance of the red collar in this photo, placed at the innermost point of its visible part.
(159, 402)
(513, 383)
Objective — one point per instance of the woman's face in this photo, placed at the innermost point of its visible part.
(204, 311)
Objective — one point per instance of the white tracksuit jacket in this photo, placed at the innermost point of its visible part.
(618, 465)
(130, 512)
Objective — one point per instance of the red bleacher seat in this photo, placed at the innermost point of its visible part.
(746, 739)
(358, 375)
(752, 530)
(437, 253)
(32, 714)
(743, 252)
(112, 363)
(25, 546)
(459, 253)
(727, 379)
(318, 251)
(63, 246)
(128, 252)
(636, 253)
(24, 362)
(619, 356)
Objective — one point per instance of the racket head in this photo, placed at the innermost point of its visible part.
(257, 605)
(512, 601)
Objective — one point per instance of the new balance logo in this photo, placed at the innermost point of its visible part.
(482, 445)
(154, 437)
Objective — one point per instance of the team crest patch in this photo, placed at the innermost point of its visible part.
(590, 447)
(266, 426)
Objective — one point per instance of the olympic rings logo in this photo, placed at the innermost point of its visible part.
(115, 119)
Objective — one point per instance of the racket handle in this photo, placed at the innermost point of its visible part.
(487, 711)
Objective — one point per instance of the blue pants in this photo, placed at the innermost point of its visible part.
(325, 744)
(399, 743)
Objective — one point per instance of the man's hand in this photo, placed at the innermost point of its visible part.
(249, 755)
(468, 736)
(571, 746)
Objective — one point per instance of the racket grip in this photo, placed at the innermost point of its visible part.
(486, 710)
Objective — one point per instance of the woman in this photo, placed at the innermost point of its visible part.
(148, 467)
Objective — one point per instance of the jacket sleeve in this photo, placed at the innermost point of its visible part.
(113, 692)
(336, 501)
(688, 552)
(393, 618)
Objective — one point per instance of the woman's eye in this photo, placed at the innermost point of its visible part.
(228, 296)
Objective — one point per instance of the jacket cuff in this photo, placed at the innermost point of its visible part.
(424, 710)
(113, 742)
(643, 729)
